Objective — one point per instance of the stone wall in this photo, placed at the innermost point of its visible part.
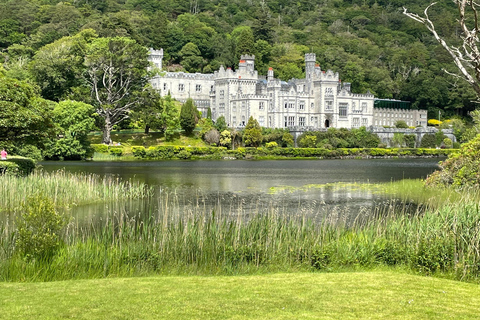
(386, 134)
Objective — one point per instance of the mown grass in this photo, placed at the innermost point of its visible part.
(362, 295)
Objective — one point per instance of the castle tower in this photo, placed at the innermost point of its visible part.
(156, 57)
(310, 59)
(247, 63)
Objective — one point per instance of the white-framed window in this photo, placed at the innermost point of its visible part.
(329, 105)
(364, 122)
(244, 105)
(164, 87)
(291, 105)
(301, 105)
(286, 105)
(211, 88)
(342, 110)
(312, 105)
(221, 108)
(198, 87)
(234, 106)
(234, 119)
(329, 92)
(181, 87)
(261, 121)
(261, 105)
(243, 121)
(291, 121)
(356, 122)
(222, 94)
(301, 121)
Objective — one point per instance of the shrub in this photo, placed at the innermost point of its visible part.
(447, 143)
(410, 140)
(252, 135)
(461, 169)
(25, 165)
(9, 168)
(271, 145)
(139, 151)
(225, 138)
(38, 228)
(428, 141)
(308, 141)
(115, 151)
(184, 154)
(212, 137)
(401, 124)
(100, 148)
(434, 122)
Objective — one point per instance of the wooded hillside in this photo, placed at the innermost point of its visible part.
(370, 43)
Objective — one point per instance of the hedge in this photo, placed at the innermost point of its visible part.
(181, 152)
(16, 165)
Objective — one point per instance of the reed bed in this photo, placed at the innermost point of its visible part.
(230, 239)
(66, 189)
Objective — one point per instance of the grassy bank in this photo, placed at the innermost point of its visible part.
(366, 295)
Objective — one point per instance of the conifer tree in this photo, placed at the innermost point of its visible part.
(187, 116)
(253, 133)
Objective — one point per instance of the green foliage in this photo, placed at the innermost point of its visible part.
(8, 168)
(209, 113)
(149, 110)
(115, 151)
(221, 124)
(100, 148)
(410, 140)
(398, 139)
(287, 140)
(225, 138)
(428, 141)
(139, 152)
(342, 138)
(448, 143)
(73, 121)
(308, 141)
(271, 145)
(461, 169)
(39, 228)
(401, 124)
(252, 135)
(170, 119)
(187, 116)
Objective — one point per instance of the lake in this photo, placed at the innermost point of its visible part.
(316, 188)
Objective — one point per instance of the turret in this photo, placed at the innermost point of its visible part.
(247, 63)
(270, 74)
(156, 57)
(310, 59)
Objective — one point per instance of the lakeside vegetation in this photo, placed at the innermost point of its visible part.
(434, 240)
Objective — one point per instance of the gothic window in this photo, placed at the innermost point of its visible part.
(244, 105)
(198, 87)
(261, 105)
(301, 121)
(301, 106)
(211, 88)
(364, 122)
(364, 106)
(329, 92)
(181, 87)
(286, 105)
(312, 105)
(342, 110)
(286, 121)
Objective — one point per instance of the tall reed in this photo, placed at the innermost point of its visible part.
(180, 239)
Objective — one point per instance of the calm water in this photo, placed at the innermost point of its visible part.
(314, 187)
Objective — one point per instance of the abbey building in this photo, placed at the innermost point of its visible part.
(320, 100)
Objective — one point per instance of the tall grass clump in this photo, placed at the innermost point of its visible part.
(178, 239)
(66, 189)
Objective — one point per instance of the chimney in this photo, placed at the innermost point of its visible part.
(270, 74)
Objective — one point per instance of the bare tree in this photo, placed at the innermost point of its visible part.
(466, 56)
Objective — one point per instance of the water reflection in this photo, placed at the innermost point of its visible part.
(317, 189)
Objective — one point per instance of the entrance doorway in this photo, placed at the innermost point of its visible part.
(327, 123)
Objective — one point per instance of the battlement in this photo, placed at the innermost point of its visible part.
(310, 57)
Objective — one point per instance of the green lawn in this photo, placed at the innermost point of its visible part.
(359, 295)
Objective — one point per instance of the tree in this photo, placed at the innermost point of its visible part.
(221, 124)
(191, 58)
(401, 124)
(25, 118)
(58, 66)
(466, 56)
(209, 113)
(253, 133)
(170, 122)
(187, 116)
(116, 73)
(73, 121)
(149, 110)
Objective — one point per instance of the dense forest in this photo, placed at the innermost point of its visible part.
(370, 43)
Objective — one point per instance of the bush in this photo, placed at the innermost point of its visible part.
(410, 140)
(461, 169)
(184, 154)
(25, 165)
(271, 145)
(428, 141)
(9, 168)
(401, 124)
(38, 228)
(100, 148)
(447, 143)
(139, 152)
(115, 151)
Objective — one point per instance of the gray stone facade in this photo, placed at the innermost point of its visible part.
(320, 100)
